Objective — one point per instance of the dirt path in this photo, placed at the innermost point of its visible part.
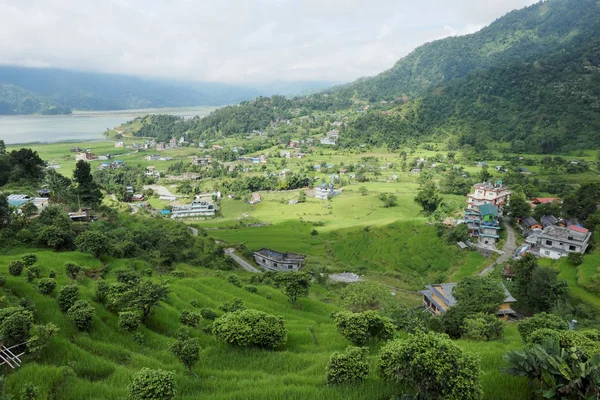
(507, 251)
(240, 261)
(161, 190)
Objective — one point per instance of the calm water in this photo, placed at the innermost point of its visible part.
(78, 126)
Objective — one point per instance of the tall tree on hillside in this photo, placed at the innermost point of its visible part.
(2, 147)
(428, 198)
(26, 165)
(4, 210)
(583, 202)
(58, 185)
(518, 206)
(86, 189)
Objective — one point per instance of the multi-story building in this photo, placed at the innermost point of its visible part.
(325, 191)
(557, 241)
(275, 261)
(489, 193)
(483, 223)
(198, 209)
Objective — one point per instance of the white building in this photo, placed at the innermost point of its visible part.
(198, 209)
(489, 193)
(325, 191)
(275, 261)
(557, 241)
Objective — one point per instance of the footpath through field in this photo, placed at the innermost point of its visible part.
(240, 261)
(507, 251)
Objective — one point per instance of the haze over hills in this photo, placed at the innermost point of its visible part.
(56, 91)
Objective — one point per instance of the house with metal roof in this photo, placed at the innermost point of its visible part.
(548, 220)
(438, 298)
(276, 261)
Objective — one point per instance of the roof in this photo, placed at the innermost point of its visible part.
(549, 220)
(577, 228)
(529, 222)
(488, 209)
(544, 200)
(275, 255)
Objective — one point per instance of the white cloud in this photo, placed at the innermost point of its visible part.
(233, 40)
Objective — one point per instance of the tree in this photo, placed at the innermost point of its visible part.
(190, 318)
(388, 199)
(518, 206)
(484, 327)
(47, 285)
(295, 285)
(362, 328)
(67, 296)
(129, 320)
(142, 296)
(86, 189)
(541, 321)
(72, 270)
(302, 197)
(5, 212)
(250, 328)
(523, 269)
(364, 295)
(82, 315)
(432, 367)
(29, 259)
(15, 268)
(58, 185)
(93, 242)
(15, 324)
(208, 314)
(26, 165)
(348, 367)
(40, 337)
(575, 259)
(149, 384)
(484, 175)
(363, 190)
(230, 306)
(545, 290)
(32, 273)
(428, 198)
(187, 350)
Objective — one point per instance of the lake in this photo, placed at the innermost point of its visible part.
(80, 126)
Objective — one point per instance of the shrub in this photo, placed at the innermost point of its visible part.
(52, 274)
(15, 268)
(178, 274)
(268, 296)
(67, 296)
(2, 280)
(72, 270)
(251, 288)
(29, 259)
(187, 350)
(47, 285)
(208, 314)
(149, 384)
(539, 321)
(32, 273)
(250, 328)
(129, 320)
(575, 258)
(138, 338)
(433, 366)
(82, 315)
(483, 327)
(230, 306)
(102, 291)
(29, 392)
(349, 366)
(190, 318)
(361, 328)
(15, 324)
(234, 280)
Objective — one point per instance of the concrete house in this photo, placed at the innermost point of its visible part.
(275, 261)
(483, 223)
(201, 161)
(438, 298)
(530, 223)
(325, 191)
(198, 209)
(489, 193)
(557, 241)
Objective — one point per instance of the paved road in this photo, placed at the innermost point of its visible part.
(194, 231)
(507, 251)
(241, 262)
(160, 189)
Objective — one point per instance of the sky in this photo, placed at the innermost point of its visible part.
(237, 41)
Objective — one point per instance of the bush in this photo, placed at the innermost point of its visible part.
(47, 285)
(348, 367)
(268, 296)
(82, 315)
(575, 258)
(29, 259)
(2, 280)
(234, 280)
(190, 318)
(15, 268)
(178, 274)
(208, 314)
(187, 350)
(67, 296)
(102, 291)
(32, 273)
(15, 324)
(138, 338)
(361, 328)
(484, 327)
(129, 320)
(149, 384)
(52, 274)
(230, 306)
(72, 270)
(539, 321)
(251, 288)
(29, 392)
(433, 366)
(250, 328)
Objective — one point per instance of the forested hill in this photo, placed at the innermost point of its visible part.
(44, 90)
(519, 36)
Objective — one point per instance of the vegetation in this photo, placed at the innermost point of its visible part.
(348, 367)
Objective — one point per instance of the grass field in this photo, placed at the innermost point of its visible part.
(99, 365)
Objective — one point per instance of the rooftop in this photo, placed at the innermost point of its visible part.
(495, 186)
(275, 255)
(560, 233)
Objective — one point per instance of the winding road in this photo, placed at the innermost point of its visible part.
(240, 261)
(507, 251)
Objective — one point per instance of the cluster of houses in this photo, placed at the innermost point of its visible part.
(325, 191)
(262, 159)
(111, 165)
(19, 200)
(331, 138)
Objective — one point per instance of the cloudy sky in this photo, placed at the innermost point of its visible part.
(233, 40)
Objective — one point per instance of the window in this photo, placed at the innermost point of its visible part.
(263, 260)
(549, 242)
(570, 237)
(573, 248)
(275, 264)
(290, 266)
(547, 252)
